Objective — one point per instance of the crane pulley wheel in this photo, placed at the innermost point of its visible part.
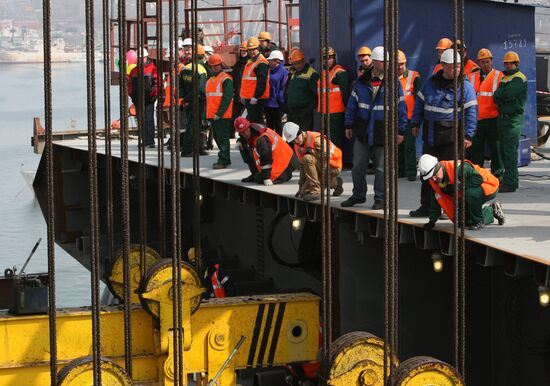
(80, 371)
(423, 370)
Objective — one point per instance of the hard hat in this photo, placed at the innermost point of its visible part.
(243, 46)
(144, 53)
(511, 57)
(208, 49)
(401, 57)
(364, 51)
(187, 42)
(264, 35)
(426, 166)
(215, 59)
(252, 43)
(276, 54)
(180, 43)
(296, 55)
(448, 56)
(330, 51)
(241, 124)
(290, 131)
(484, 53)
(443, 44)
(200, 49)
(378, 54)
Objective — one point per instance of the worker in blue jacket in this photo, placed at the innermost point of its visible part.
(364, 120)
(434, 109)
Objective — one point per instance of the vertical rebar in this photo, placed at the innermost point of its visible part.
(161, 176)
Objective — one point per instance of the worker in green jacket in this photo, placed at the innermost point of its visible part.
(186, 94)
(510, 98)
(301, 91)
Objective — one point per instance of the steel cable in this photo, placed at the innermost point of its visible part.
(161, 174)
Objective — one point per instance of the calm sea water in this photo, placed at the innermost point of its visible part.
(21, 220)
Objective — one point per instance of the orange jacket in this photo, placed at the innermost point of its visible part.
(309, 145)
(336, 99)
(280, 152)
(486, 107)
(214, 94)
(408, 90)
(248, 82)
(167, 92)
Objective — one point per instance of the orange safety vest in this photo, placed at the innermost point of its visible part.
(446, 202)
(167, 91)
(469, 67)
(281, 154)
(309, 143)
(214, 93)
(408, 90)
(336, 99)
(248, 81)
(217, 286)
(438, 67)
(486, 107)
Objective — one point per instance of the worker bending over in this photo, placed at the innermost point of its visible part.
(478, 185)
(269, 158)
(308, 149)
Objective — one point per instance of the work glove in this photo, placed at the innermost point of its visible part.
(268, 183)
(239, 146)
(216, 117)
(253, 101)
(429, 226)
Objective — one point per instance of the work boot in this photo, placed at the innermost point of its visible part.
(311, 197)
(250, 178)
(218, 165)
(506, 189)
(498, 212)
(420, 212)
(352, 201)
(475, 227)
(378, 204)
(339, 187)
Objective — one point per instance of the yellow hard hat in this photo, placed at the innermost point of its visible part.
(484, 53)
(511, 57)
(364, 51)
(330, 50)
(200, 49)
(264, 35)
(252, 43)
(243, 46)
(401, 58)
(443, 44)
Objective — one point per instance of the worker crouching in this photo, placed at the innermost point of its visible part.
(308, 149)
(269, 158)
(479, 186)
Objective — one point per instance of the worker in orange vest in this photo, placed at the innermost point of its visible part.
(469, 65)
(269, 158)
(365, 61)
(411, 84)
(266, 45)
(219, 109)
(478, 186)
(442, 45)
(337, 86)
(255, 82)
(308, 149)
(486, 82)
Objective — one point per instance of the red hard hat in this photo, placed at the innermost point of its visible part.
(241, 124)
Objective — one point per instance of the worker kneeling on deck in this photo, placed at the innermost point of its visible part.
(479, 186)
(269, 158)
(308, 147)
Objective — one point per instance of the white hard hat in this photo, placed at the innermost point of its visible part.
(144, 52)
(276, 54)
(426, 166)
(180, 43)
(290, 131)
(208, 49)
(448, 56)
(378, 54)
(187, 42)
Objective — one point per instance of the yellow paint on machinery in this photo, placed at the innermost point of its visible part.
(422, 370)
(81, 372)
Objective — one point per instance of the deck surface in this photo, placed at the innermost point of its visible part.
(526, 232)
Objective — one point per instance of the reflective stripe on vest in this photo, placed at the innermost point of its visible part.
(336, 99)
(281, 154)
(249, 80)
(214, 94)
(485, 90)
(309, 143)
(408, 89)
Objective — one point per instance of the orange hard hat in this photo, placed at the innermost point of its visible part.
(364, 51)
(296, 55)
(200, 49)
(241, 124)
(443, 44)
(264, 35)
(252, 43)
(215, 59)
(243, 46)
(132, 110)
(401, 57)
(329, 50)
(484, 53)
(511, 57)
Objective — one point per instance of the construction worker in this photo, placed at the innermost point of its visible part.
(237, 72)
(269, 158)
(278, 75)
(219, 109)
(510, 98)
(149, 91)
(434, 108)
(208, 51)
(365, 122)
(336, 85)
(411, 84)
(266, 45)
(301, 91)
(365, 61)
(186, 95)
(255, 82)
(486, 82)
(469, 65)
(307, 146)
(442, 45)
(478, 187)
(187, 45)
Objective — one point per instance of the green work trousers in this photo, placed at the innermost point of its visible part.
(221, 129)
(302, 117)
(509, 130)
(337, 129)
(407, 155)
(475, 211)
(187, 142)
(487, 133)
